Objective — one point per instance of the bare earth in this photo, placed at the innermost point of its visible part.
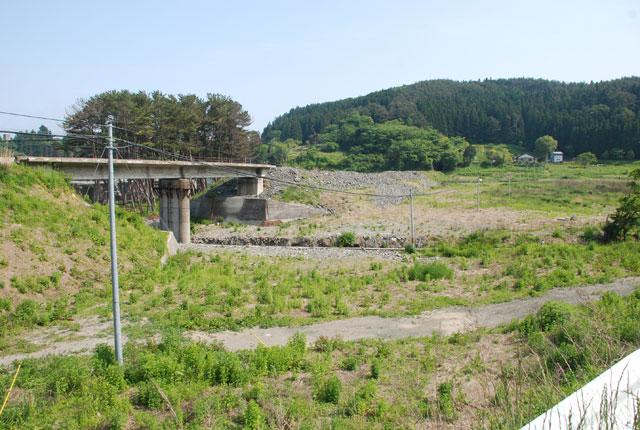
(444, 321)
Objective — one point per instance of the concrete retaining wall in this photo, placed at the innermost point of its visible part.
(250, 210)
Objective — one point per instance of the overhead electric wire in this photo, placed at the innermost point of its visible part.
(183, 158)
(182, 142)
(247, 174)
(31, 116)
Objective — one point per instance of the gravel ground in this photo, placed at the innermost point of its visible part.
(390, 183)
(311, 253)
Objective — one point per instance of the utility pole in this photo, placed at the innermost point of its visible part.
(509, 184)
(413, 240)
(117, 331)
(478, 196)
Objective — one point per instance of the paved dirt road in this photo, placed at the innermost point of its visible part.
(444, 321)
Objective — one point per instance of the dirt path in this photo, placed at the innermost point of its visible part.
(444, 321)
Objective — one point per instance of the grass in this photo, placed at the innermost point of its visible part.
(494, 380)
(56, 261)
(466, 380)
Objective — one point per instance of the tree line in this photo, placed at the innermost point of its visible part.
(366, 146)
(40, 143)
(214, 127)
(602, 118)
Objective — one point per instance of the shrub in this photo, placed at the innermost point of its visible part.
(445, 401)
(553, 314)
(253, 417)
(376, 369)
(26, 313)
(347, 239)
(592, 234)
(410, 248)
(426, 272)
(330, 390)
(350, 364)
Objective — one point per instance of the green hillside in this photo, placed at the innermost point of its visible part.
(54, 251)
(593, 117)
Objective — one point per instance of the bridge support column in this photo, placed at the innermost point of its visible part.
(250, 186)
(174, 208)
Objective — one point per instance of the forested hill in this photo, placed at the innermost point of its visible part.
(583, 117)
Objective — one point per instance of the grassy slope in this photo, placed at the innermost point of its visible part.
(54, 250)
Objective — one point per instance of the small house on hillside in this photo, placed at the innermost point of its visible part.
(556, 157)
(525, 159)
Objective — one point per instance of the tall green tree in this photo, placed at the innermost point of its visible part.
(544, 146)
(214, 127)
(626, 218)
(586, 158)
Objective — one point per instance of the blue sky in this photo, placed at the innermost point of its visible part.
(274, 55)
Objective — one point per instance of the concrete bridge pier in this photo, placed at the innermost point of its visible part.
(174, 208)
(252, 186)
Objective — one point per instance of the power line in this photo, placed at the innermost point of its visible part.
(283, 181)
(31, 116)
(180, 142)
(176, 156)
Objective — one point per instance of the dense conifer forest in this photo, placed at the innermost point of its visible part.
(601, 117)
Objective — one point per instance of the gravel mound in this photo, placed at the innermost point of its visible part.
(390, 187)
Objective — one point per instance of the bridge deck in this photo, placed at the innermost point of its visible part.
(84, 169)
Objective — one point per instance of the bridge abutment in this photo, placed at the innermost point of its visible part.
(250, 186)
(174, 208)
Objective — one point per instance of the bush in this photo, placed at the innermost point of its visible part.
(592, 234)
(445, 401)
(376, 369)
(410, 248)
(553, 314)
(253, 417)
(426, 272)
(347, 239)
(26, 313)
(350, 364)
(330, 390)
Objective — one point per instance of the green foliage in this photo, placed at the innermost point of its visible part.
(213, 127)
(347, 239)
(626, 218)
(376, 368)
(505, 111)
(586, 158)
(329, 390)
(26, 313)
(429, 271)
(445, 401)
(410, 248)
(254, 417)
(350, 364)
(543, 146)
(305, 196)
(372, 147)
(494, 156)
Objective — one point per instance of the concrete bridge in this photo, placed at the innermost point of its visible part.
(174, 180)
